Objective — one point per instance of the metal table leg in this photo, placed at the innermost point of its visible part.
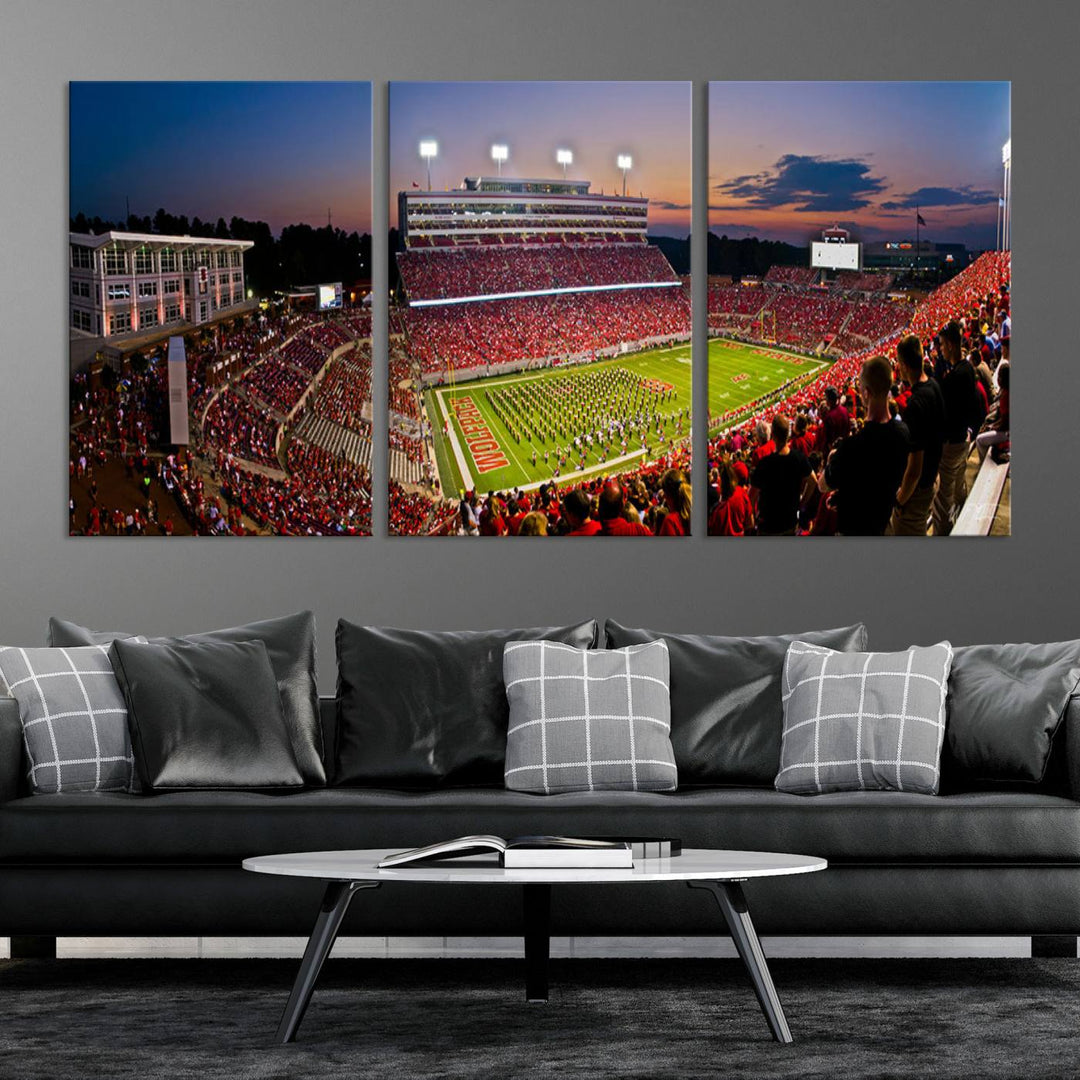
(732, 903)
(334, 905)
(537, 904)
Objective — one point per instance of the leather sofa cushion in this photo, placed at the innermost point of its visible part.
(1005, 705)
(424, 709)
(726, 709)
(208, 827)
(205, 715)
(290, 644)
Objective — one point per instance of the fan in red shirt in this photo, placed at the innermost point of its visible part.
(612, 510)
(678, 497)
(734, 514)
(577, 509)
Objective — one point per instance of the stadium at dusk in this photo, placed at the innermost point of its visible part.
(859, 308)
(540, 363)
(220, 326)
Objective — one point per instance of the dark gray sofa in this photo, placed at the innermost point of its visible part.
(993, 862)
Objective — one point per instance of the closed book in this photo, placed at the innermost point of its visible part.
(647, 847)
(613, 856)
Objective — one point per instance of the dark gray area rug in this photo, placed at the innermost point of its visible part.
(467, 1018)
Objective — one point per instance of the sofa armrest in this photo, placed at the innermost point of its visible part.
(11, 750)
(1072, 744)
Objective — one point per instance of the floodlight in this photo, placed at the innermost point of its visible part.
(564, 158)
(429, 148)
(499, 153)
(625, 162)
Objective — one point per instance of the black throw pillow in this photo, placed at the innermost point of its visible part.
(726, 710)
(290, 645)
(1004, 707)
(427, 709)
(205, 715)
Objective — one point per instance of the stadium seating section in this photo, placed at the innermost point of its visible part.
(439, 274)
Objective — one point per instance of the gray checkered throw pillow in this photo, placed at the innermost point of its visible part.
(74, 719)
(863, 721)
(588, 719)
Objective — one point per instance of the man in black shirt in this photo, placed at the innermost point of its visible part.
(777, 483)
(924, 416)
(958, 389)
(865, 470)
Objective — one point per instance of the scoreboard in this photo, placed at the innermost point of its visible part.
(330, 296)
(832, 256)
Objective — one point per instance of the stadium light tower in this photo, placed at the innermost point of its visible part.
(626, 163)
(499, 153)
(1006, 216)
(429, 148)
(564, 158)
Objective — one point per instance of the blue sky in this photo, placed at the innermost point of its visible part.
(789, 158)
(597, 121)
(279, 152)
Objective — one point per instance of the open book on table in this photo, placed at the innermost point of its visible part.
(522, 852)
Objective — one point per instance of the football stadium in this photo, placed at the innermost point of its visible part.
(215, 416)
(792, 345)
(859, 309)
(540, 344)
(219, 344)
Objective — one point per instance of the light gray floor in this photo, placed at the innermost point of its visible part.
(216, 947)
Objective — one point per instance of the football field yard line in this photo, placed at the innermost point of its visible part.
(466, 476)
(672, 365)
(728, 358)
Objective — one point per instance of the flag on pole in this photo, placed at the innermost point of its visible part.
(919, 218)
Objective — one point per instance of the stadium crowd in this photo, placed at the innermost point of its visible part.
(536, 327)
(654, 500)
(480, 271)
(230, 480)
(880, 442)
(870, 321)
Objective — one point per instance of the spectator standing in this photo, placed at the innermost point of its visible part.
(958, 390)
(577, 513)
(734, 514)
(678, 497)
(924, 416)
(836, 423)
(778, 480)
(865, 469)
(612, 512)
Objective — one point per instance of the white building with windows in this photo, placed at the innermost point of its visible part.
(134, 283)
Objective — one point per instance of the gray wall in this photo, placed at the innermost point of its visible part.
(967, 590)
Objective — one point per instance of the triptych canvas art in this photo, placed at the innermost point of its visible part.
(539, 358)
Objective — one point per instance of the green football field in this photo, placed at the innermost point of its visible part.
(482, 453)
(488, 456)
(739, 373)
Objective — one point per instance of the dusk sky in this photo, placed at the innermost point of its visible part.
(787, 159)
(596, 120)
(278, 152)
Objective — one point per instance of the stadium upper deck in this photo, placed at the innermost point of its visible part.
(500, 238)
(501, 210)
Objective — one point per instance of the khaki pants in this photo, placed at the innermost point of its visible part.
(951, 486)
(912, 518)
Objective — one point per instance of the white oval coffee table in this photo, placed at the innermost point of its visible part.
(347, 872)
